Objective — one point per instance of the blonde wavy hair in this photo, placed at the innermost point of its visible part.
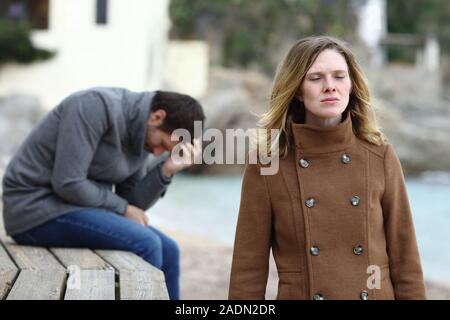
(284, 107)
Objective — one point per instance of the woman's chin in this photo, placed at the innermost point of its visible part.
(331, 111)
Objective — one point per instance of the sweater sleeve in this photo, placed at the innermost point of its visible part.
(81, 127)
(404, 260)
(144, 188)
(250, 265)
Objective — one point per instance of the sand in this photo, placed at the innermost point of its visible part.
(206, 264)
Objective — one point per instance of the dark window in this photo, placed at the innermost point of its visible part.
(102, 8)
(35, 12)
(38, 13)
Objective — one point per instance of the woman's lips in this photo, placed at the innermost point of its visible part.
(330, 101)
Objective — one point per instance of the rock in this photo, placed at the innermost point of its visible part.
(234, 100)
(206, 266)
(414, 115)
(412, 112)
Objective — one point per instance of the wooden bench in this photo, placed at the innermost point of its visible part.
(34, 273)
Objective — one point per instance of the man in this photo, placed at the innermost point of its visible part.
(58, 188)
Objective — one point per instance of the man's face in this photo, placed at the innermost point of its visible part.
(157, 141)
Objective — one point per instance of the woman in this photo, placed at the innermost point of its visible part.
(336, 214)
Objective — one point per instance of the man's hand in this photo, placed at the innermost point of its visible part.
(191, 152)
(136, 214)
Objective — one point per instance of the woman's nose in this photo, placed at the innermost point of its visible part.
(329, 85)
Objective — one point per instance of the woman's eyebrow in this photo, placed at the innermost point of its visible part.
(321, 73)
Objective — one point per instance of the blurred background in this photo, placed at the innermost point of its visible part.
(225, 53)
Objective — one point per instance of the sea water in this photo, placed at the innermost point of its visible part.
(209, 205)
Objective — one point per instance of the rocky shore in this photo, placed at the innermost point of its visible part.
(412, 114)
(206, 264)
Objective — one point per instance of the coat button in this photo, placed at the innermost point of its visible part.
(304, 163)
(358, 250)
(318, 296)
(355, 201)
(310, 202)
(345, 159)
(315, 250)
(364, 295)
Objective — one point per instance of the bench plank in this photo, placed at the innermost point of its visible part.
(90, 277)
(8, 272)
(85, 259)
(91, 285)
(38, 285)
(139, 285)
(41, 276)
(137, 278)
(33, 258)
(125, 260)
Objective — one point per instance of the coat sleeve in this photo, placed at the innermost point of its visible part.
(81, 128)
(144, 188)
(250, 263)
(404, 260)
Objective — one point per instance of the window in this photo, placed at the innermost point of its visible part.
(34, 12)
(102, 8)
(38, 13)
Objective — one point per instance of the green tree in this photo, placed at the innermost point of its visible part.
(16, 45)
(419, 17)
(253, 28)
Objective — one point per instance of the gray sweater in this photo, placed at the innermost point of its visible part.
(93, 140)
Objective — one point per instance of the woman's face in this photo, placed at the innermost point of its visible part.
(326, 88)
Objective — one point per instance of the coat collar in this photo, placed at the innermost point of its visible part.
(312, 139)
(137, 109)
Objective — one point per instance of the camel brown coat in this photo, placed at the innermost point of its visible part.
(336, 216)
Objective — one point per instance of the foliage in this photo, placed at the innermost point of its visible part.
(419, 17)
(252, 28)
(16, 45)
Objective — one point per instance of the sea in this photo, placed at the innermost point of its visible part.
(208, 206)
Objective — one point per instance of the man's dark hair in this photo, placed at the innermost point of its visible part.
(181, 111)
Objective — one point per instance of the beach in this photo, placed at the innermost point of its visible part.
(206, 264)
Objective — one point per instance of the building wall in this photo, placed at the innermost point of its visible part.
(187, 67)
(373, 27)
(128, 51)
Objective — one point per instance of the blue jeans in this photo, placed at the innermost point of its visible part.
(101, 229)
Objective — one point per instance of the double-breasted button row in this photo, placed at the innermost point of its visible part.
(364, 295)
(304, 163)
(311, 202)
(357, 250)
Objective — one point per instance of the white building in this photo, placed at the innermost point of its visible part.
(373, 30)
(97, 43)
(372, 27)
(187, 67)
